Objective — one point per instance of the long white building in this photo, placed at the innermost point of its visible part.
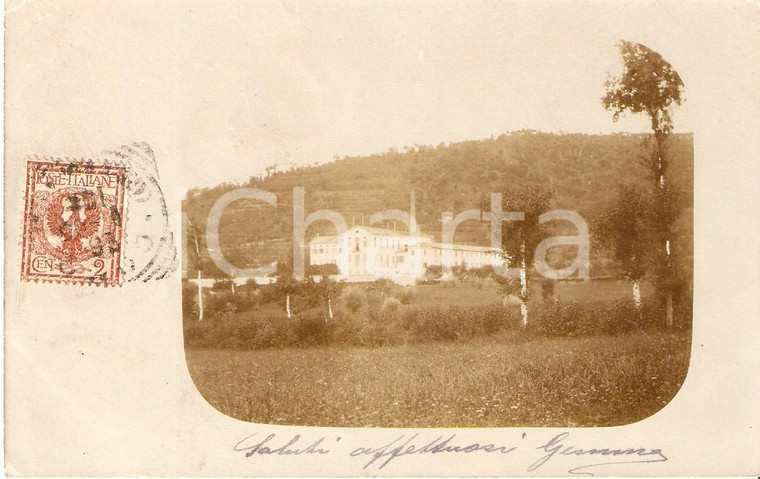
(365, 253)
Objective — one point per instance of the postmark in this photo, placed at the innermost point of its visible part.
(150, 251)
(73, 222)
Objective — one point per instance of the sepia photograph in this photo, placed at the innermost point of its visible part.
(381, 238)
(539, 275)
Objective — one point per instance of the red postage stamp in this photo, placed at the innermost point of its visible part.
(73, 222)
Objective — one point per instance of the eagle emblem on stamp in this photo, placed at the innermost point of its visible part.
(73, 222)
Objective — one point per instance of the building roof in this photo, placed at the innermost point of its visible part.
(385, 232)
(380, 231)
(461, 247)
(323, 240)
(317, 240)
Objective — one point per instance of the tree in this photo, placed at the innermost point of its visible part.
(623, 227)
(520, 238)
(323, 270)
(285, 285)
(328, 289)
(199, 260)
(272, 169)
(650, 85)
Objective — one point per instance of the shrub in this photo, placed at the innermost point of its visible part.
(547, 289)
(378, 329)
(482, 272)
(575, 319)
(374, 301)
(683, 312)
(222, 285)
(265, 336)
(383, 286)
(189, 299)
(498, 318)
(565, 319)
(405, 295)
(343, 329)
(454, 322)
(362, 325)
(310, 329)
(354, 299)
(245, 299)
(253, 333)
(197, 334)
(216, 304)
(433, 272)
(322, 270)
(622, 317)
(227, 310)
(390, 305)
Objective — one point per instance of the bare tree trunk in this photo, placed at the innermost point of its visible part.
(200, 297)
(661, 183)
(200, 287)
(287, 305)
(233, 286)
(669, 309)
(636, 291)
(523, 287)
(329, 307)
(669, 292)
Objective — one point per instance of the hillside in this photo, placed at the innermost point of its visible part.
(583, 172)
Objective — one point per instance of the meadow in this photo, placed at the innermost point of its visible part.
(484, 291)
(461, 293)
(446, 354)
(510, 378)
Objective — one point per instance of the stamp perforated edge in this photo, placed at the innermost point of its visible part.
(122, 206)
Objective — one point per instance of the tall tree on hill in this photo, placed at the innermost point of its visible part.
(623, 227)
(650, 85)
(520, 238)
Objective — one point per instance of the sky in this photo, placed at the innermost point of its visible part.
(310, 85)
(229, 88)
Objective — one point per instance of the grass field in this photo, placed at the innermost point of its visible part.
(501, 380)
(477, 292)
(471, 293)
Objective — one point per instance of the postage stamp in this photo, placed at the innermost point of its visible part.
(73, 222)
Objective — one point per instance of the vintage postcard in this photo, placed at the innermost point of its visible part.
(434, 238)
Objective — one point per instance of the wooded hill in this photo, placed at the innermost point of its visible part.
(583, 172)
